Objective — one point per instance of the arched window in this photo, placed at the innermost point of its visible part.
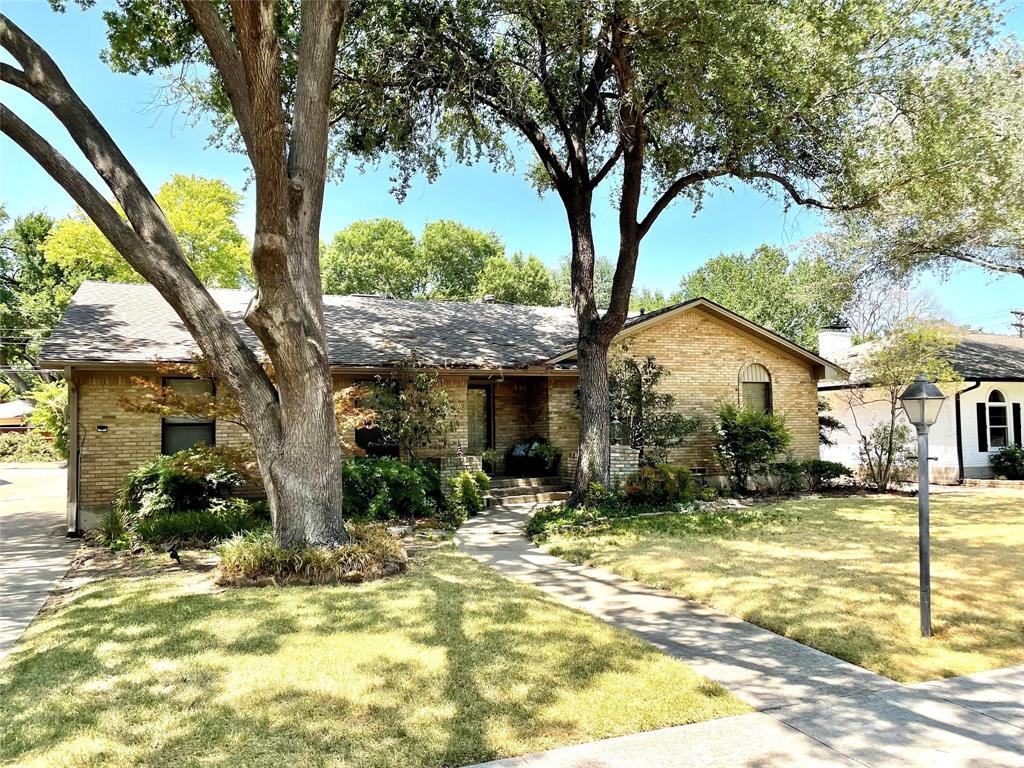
(756, 388)
(998, 423)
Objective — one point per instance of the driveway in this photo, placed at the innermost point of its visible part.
(34, 552)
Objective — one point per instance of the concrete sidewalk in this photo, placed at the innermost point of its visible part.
(814, 709)
(760, 667)
(34, 552)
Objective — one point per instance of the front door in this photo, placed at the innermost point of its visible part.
(481, 418)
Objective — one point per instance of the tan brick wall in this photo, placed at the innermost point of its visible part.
(704, 356)
(106, 457)
(563, 418)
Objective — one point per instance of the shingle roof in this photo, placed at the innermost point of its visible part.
(131, 323)
(978, 356)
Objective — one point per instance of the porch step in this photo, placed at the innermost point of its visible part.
(523, 482)
(520, 490)
(533, 498)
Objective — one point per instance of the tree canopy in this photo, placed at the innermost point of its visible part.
(200, 211)
(793, 297)
(448, 261)
(958, 149)
(518, 280)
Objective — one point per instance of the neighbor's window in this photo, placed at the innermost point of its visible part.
(181, 432)
(998, 424)
(756, 388)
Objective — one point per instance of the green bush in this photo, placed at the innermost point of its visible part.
(822, 474)
(386, 489)
(748, 442)
(186, 481)
(114, 530)
(789, 476)
(1008, 463)
(32, 445)
(51, 412)
(661, 484)
(371, 553)
(466, 492)
(222, 519)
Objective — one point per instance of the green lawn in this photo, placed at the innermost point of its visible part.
(840, 574)
(447, 666)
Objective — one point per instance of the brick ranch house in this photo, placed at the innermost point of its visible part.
(509, 371)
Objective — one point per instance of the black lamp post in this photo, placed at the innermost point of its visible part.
(922, 401)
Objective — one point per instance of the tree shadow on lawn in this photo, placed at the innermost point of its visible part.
(447, 666)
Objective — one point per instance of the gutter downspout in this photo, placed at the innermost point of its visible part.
(959, 432)
(74, 528)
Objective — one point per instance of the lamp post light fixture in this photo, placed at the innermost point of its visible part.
(922, 402)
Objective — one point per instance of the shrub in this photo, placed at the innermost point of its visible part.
(185, 481)
(386, 489)
(1008, 463)
(748, 442)
(661, 484)
(466, 492)
(51, 412)
(114, 530)
(31, 445)
(823, 474)
(222, 519)
(789, 476)
(888, 454)
(371, 553)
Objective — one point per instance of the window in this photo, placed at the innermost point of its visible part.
(756, 388)
(181, 432)
(371, 439)
(998, 423)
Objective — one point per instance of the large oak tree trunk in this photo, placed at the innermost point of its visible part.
(289, 417)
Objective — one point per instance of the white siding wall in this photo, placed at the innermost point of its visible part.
(875, 411)
(975, 461)
(941, 437)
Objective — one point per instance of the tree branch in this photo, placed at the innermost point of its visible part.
(96, 207)
(605, 169)
(321, 24)
(673, 191)
(227, 60)
(798, 197)
(43, 80)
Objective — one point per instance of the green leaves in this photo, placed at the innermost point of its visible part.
(795, 298)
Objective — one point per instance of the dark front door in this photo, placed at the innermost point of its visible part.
(481, 418)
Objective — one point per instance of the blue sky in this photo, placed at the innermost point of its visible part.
(162, 141)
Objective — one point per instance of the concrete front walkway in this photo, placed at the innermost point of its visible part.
(813, 709)
(34, 552)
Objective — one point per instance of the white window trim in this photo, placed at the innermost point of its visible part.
(1007, 427)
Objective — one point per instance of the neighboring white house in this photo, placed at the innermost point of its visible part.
(978, 418)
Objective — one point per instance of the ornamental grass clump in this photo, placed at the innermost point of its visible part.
(256, 559)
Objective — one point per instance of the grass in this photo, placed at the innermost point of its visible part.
(841, 574)
(447, 666)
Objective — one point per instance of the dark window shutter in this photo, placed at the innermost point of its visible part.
(1016, 425)
(982, 428)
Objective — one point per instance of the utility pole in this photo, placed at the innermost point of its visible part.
(1018, 324)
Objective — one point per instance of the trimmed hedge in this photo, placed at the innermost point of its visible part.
(28, 446)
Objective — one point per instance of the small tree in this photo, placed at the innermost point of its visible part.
(51, 412)
(413, 408)
(648, 417)
(748, 442)
(827, 423)
(887, 369)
